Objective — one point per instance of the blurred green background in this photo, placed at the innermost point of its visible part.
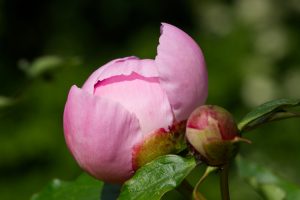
(251, 49)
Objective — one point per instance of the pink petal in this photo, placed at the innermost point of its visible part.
(121, 66)
(182, 71)
(100, 134)
(141, 95)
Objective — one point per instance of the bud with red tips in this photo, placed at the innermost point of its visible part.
(212, 132)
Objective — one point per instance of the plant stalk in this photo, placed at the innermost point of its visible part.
(224, 182)
(186, 189)
(196, 194)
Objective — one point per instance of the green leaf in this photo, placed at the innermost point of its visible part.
(83, 188)
(156, 178)
(266, 183)
(40, 65)
(267, 112)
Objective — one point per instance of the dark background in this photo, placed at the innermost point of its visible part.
(251, 49)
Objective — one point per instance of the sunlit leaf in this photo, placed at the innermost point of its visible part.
(267, 112)
(5, 101)
(156, 178)
(40, 65)
(267, 183)
(83, 188)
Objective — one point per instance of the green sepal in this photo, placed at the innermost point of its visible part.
(160, 143)
(220, 152)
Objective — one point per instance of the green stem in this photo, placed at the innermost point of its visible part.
(224, 182)
(197, 195)
(186, 190)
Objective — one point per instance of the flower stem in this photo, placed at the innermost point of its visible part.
(224, 182)
(197, 195)
(186, 190)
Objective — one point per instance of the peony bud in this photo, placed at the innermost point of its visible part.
(212, 132)
(131, 110)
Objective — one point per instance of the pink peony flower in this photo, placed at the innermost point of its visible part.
(128, 99)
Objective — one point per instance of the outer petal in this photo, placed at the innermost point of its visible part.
(140, 95)
(181, 70)
(100, 134)
(121, 66)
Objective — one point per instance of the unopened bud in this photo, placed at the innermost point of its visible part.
(212, 132)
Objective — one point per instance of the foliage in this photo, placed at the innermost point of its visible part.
(166, 173)
(251, 52)
(267, 183)
(83, 188)
(156, 178)
(268, 112)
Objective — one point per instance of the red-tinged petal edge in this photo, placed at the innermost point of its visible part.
(121, 66)
(160, 142)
